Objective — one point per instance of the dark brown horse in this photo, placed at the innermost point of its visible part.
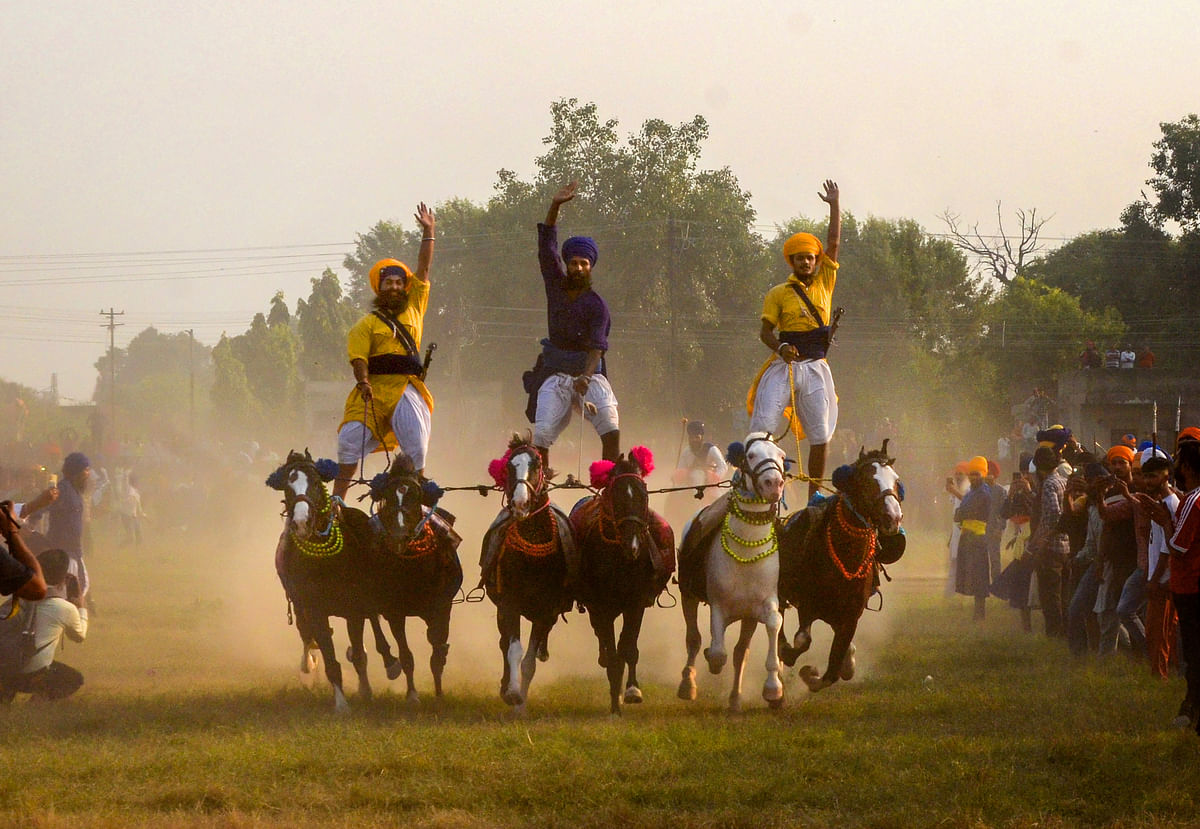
(525, 565)
(626, 556)
(829, 555)
(324, 567)
(416, 567)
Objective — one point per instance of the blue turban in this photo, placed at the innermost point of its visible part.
(584, 246)
(74, 463)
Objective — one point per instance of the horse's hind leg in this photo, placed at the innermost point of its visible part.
(538, 636)
(789, 653)
(405, 655)
(438, 634)
(614, 667)
(739, 662)
(839, 654)
(715, 653)
(627, 649)
(509, 623)
(323, 635)
(773, 686)
(390, 663)
(687, 685)
(358, 656)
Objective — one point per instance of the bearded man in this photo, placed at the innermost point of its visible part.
(571, 371)
(800, 309)
(389, 405)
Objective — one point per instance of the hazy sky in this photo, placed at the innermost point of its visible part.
(192, 132)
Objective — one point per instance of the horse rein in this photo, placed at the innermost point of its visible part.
(759, 468)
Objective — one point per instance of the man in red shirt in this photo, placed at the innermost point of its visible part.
(1185, 572)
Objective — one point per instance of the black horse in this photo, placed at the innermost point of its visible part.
(324, 566)
(626, 556)
(829, 559)
(416, 567)
(525, 560)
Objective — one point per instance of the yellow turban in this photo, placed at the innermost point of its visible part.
(387, 263)
(977, 464)
(802, 243)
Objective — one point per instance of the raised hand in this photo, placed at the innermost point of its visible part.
(424, 217)
(565, 194)
(830, 196)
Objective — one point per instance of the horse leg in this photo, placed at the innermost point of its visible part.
(687, 685)
(308, 645)
(773, 686)
(390, 663)
(333, 671)
(509, 623)
(602, 624)
(438, 634)
(789, 653)
(839, 654)
(539, 635)
(405, 655)
(358, 656)
(739, 662)
(715, 652)
(627, 649)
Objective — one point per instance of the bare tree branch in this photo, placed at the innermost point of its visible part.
(996, 255)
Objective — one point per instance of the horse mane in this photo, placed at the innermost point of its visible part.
(401, 465)
(525, 442)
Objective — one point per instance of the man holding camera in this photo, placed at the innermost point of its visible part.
(20, 573)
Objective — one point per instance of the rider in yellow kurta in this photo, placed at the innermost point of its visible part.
(389, 406)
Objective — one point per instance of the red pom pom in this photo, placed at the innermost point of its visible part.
(498, 469)
(600, 473)
(644, 458)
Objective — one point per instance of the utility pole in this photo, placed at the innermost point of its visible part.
(112, 325)
(191, 382)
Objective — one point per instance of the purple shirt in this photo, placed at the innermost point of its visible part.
(581, 324)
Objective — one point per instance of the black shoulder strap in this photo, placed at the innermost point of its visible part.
(812, 309)
(399, 332)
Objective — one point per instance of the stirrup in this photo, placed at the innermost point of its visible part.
(476, 594)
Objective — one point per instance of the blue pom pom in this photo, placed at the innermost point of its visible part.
(327, 469)
(788, 463)
(900, 491)
(377, 484)
(842, 476)
(277, 479)
(432, 492)
(736, 453)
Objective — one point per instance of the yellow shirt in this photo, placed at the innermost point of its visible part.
(787, 312)
(371, 337)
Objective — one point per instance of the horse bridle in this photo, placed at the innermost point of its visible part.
(642, 521)
(414, 482)
(290, 499)
(757, 470)
(875, 501)
(536, 487)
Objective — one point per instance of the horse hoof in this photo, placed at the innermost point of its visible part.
(848, 665)
(412, 697)
(633, 695)
(715, 661)
(514, 699)
(543, 652)
(394, 669)
(735, 705)
(775, 704)
(787, 654)
(308, 662)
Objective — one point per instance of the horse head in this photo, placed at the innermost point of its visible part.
(306, 501)
(759, 459)
(874, 489)
(523, 477)
(397, 495)
(627, 499)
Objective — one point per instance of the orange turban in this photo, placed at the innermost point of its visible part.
(978, 465)
(962, 467)
(1120, 451)
(1190, 433)
(387, 263)
(802, 243)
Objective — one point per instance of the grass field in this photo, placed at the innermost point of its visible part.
(193, 715)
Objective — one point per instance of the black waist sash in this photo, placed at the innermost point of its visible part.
(811, 345)
(394, 364)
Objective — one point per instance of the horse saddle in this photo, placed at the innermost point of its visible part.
(698, 537)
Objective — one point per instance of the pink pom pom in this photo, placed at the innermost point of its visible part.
(644, 458)
(600, 473)
(498, 469)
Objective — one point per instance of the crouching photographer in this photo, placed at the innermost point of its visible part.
(20, 573)
(30, 637)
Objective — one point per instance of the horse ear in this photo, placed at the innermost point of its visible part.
(307, 456)
(862, 452)
(327, 469)
(277, 479)
(883, 451)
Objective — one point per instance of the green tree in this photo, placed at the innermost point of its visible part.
(321, 325)
(1176, 183)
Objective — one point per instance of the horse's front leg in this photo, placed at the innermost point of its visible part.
(840, 654)
(627, 649)
(602, 625)
(438, 634)
(398, 623)
(773, 686)
(715, 652)
(692, 640)
(358, 655)
(390, 663)
(509, 623)
(790, 652)
(323, 636)
(539, 636)
(739, 662)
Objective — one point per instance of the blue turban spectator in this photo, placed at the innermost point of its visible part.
(584, 246)
(74, 463)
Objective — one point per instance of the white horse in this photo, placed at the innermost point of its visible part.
(741, 575)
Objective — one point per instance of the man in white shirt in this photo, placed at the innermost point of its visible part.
(43, 624)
